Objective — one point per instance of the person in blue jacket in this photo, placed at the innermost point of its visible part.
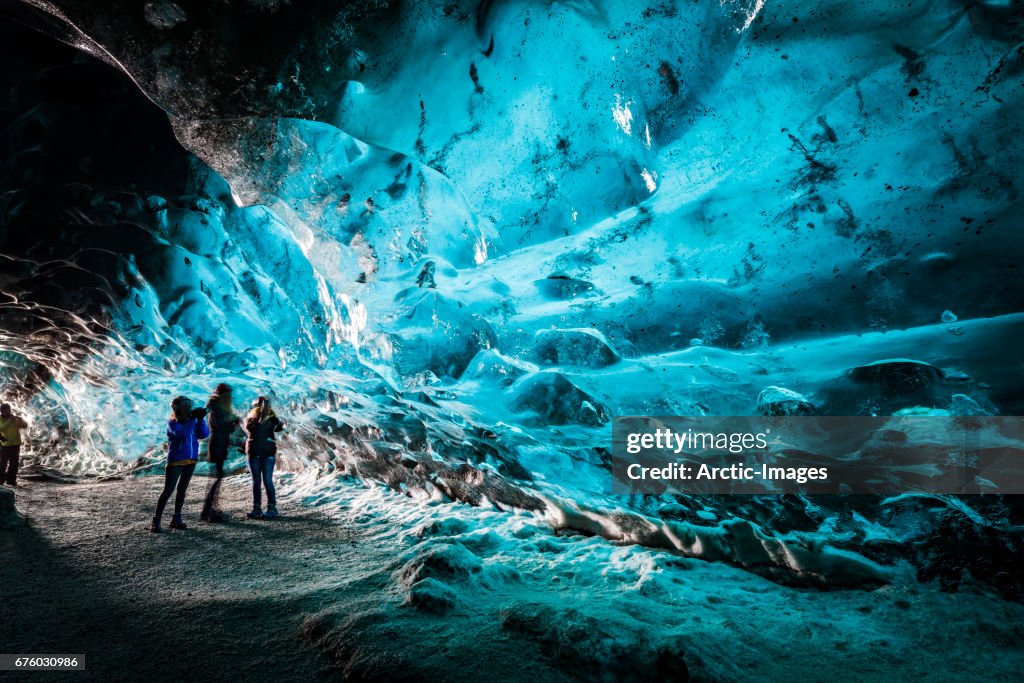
(184, 431)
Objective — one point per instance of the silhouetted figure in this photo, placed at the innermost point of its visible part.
(184, 431)
(222, 422)
(10, 444)
(261, 424)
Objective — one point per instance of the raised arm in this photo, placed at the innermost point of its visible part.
(202, 430)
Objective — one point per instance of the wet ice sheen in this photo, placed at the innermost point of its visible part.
(451, 271)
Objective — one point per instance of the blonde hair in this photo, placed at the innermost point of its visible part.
(264, 408)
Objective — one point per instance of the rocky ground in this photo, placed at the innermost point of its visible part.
(242, 599)
(84, 576)
(383, 587)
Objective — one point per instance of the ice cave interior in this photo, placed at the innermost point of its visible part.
(453, 239)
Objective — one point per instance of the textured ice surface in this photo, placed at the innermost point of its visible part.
(452, 240)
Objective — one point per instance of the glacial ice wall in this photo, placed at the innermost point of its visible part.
(454, 239)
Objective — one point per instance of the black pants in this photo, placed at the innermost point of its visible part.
(214, 491)
(176, 476)
(9, 457)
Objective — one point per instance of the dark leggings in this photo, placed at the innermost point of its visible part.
(211, 495)
(9, 456)
(176, 475)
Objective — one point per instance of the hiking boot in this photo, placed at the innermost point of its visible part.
(214, 517)
(270, 514)
(154, 526)
(255, 514)
(176, 523)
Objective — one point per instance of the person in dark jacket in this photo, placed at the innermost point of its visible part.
(222, 422)
(184, 431)
(261, 447)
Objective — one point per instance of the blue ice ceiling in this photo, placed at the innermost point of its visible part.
(465, 235)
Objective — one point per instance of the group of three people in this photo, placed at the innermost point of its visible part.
(217, 422)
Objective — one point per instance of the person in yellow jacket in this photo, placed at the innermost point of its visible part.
(10, 444)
